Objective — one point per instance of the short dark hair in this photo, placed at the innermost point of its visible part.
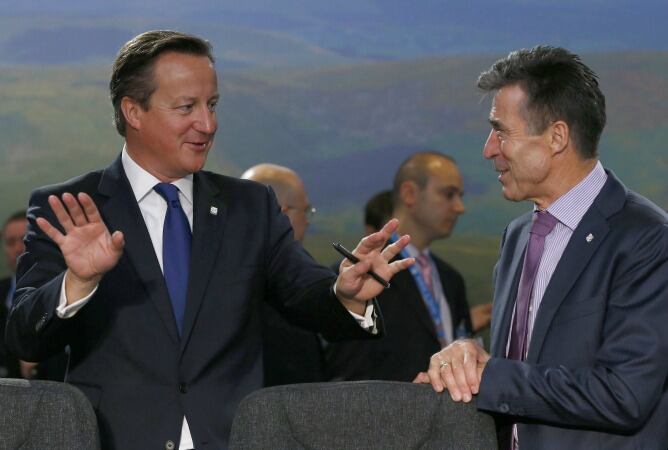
(416, 169)
(558, 86)
(132, 72)
(16, 215)
(378, 210)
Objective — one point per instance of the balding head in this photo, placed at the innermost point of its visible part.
(417, 169)
(290, 192)
(426, 195)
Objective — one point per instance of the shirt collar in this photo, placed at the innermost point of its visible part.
(413, 252)
(571, 207)
(142, 182)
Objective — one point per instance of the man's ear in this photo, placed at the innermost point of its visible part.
(559, 136)
(132, 111)
(408, 193)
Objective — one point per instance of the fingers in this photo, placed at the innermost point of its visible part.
(458, 368)
(470, 374)
(89, 207)
(69, 212)
(434, 372)
(395, 248)
(465, 375)
(74, 208)
(421, 378)
(375, 241)
(61, 213)
(118, 240)
(54, 234)
(402, 264)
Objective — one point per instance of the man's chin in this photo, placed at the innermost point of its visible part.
(510, 195)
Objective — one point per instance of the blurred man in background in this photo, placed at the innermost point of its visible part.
(377, 211)
(426, 307)
(13, 231)
(291, 353)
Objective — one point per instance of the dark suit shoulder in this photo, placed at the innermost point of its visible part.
(643, 211)
(235, 189)
(83, 183)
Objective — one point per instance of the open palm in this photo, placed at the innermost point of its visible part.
(87, 246)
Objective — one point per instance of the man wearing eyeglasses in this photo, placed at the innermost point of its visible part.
(291, 353)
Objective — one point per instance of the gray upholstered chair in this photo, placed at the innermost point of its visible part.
(45, 415)
(359, 415)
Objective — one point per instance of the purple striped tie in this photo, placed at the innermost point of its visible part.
(543, 224)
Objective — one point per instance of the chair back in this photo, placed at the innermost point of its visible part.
(45, 415)
(359, 415)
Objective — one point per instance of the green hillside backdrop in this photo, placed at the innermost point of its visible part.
(345, 127)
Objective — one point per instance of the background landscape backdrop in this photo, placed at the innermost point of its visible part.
(340, 91)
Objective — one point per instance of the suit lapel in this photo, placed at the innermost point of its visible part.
(208, 223)
(506, 281)
(576, 257)
(121, 212)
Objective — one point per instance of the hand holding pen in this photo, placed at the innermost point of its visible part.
(354, 259)
(355, 284)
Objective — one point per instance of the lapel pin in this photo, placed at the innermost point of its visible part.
(213, 211)
(589, 238)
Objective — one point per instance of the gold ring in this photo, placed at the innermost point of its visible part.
(443, 364)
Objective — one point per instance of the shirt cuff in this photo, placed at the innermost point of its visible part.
(63, 310)
(368, 320)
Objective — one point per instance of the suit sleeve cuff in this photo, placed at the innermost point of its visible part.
(64, 311)
(368, 320)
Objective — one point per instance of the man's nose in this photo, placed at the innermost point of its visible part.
(491, 148)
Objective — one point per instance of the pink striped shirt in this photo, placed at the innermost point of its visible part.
(569, 209)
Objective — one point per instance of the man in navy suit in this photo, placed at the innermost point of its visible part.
(579, 336)
(165, 359)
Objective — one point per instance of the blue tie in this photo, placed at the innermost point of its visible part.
(176, 240)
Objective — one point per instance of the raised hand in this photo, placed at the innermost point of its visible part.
(457, 368)
(354, 286)
(87, 246)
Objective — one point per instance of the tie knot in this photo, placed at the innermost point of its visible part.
(169, 192)
(544, 223)
(423, 261)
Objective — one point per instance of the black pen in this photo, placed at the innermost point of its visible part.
(354, 259)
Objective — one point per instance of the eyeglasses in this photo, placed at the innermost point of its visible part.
(309, 210)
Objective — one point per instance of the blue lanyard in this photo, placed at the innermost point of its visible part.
(432, 304)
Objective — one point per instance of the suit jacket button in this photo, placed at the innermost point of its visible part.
(169, 445)
(41, 322)
(182, 388)
(504, 408)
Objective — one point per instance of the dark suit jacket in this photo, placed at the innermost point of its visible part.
(126, 355)
(409, 337)
(596, 371)
(292, 354)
